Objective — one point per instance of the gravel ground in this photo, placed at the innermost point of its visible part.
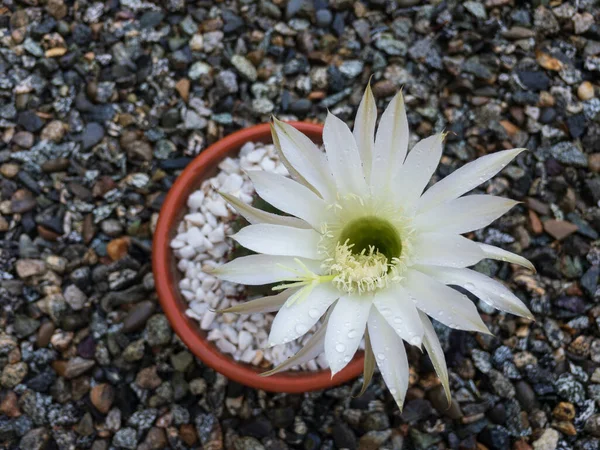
(103, 103)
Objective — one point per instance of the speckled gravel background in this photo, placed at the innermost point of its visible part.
(103, 103)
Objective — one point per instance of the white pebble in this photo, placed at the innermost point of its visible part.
(207, 319)
(195, 200)
(244, 340)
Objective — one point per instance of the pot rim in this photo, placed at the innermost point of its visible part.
(172, 302)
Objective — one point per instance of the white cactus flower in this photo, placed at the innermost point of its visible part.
(368, 250)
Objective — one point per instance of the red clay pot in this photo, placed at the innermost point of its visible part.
(167, 276)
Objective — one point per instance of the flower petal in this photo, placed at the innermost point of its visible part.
(390, 356)
(504, 255)
(418, 168)
(369, 364)
(396, 306)
(439, 249)
(306, 158)
(391, 144)
(463, 214)
(295, 319)
(444, 304)
(436, 353)
(279, 240)
(261, 305)
(364, 129)
(309, 351)
(289, 196)
(466, 178)
(344, 159)
(346, 329)
(484, 287)
(255, 215)
(263, 269)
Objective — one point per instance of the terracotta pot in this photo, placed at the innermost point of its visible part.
(167, 276)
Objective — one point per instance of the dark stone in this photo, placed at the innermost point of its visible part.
(534, 80)
(30, 121)
(577, 125)
(92, 135)
(343, 436)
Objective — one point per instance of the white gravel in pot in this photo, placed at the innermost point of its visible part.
(203, 239)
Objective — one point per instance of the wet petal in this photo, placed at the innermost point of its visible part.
(289, 196)
(463, 214)
(396, 306)
(344, 159)
(487, 289)
(255, 215)
(466, 178)
(346, 329)
(504, 255)
(263, 269)
(391, 145)
(390, 356)
(279, 240)
(445, 250)
(308, 306)
(444, 304)
(364, 129)
(261, 305)
(305, 158)
(436, 354)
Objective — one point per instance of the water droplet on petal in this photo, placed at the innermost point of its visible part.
(340, 347)
(469, 286)
(397, 320)
(347, 358)
(415, 340)
(352, 334)
(381, 356)
(393, 391)
(314, 313)
(301, 328)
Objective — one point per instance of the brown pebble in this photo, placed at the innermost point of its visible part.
(565, 427)
(53, 131)
(102, 396)
(47, 234)
(594, 162)
(187, 432)
(9, 404)
(183, 88)
(535, 222)
(23, 139)
(137, 317)
(55, 165)
(118, 248)
(384, 88)
(585, 91)
(148, 378)
(9, 170)
(559, 229)
(89, 230)
(44, 334)
(564, 411)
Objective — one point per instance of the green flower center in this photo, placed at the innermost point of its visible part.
(370, 232)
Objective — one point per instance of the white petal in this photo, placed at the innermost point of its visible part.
(346, 329)
(463, 214)
(294, 320)
(263, 269)
(487, 289)
(279, 240)
(436, 353)
(261, 305)
(390, 356)
(255, 215)
(289, 196)
(306, 158)
(418, 168)
(442, 303)
(364, 129)
(466, 178)
(344, 159)
(445, 250)
(391, 144)
(504, 255)
(396, 306)
(309, 351)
